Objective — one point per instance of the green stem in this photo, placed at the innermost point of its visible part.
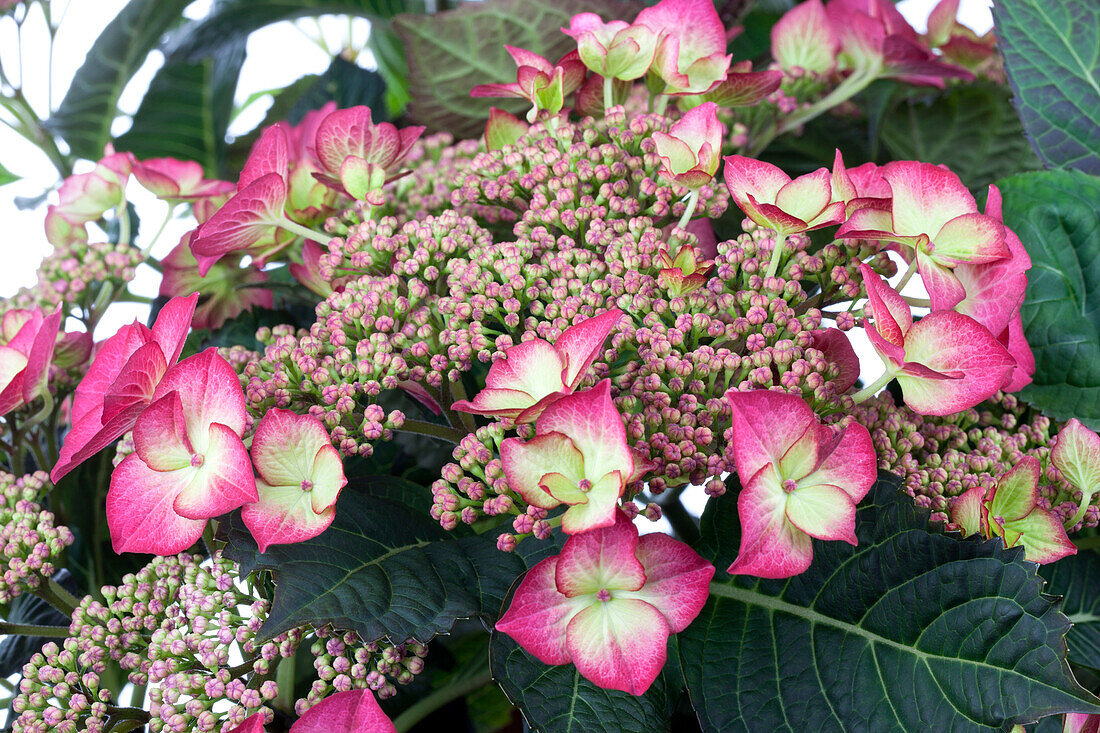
(660, 105)
(443, 432)
(777, 254)
(872, 389)
(51, 632)
(304, 232)
(692, 202)
(918, 302)
(51, 592)
(608, 93)
(284, 678)
(426, 705)
(465, 419)
(1086, 501)
(907, 276)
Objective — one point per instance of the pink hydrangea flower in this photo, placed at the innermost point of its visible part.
(188, 464)
(800, 480)
(251, 724)
(608, 604)
(541, 83)
(27, 342)
(1010, 510)
(121, 381)
(354, 711)
(691, 149)
(770, 198)
(535, 373)
(350, 147)
(85, 197)
(945, 362)
(177, 180)
(935, 215)
(615, 50)
(804, 40)
(691, 53)
(579, 457)
(300, 477)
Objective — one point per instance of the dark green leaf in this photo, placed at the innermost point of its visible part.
(29, 609)
(1057, 216)
(1077, 580)
(973, 129)
(913, 629)
(186, 111)
(1051, 50)
(389, 54)
(346, 84)
(232, 20)
(455, 51)
(558, 700)
(7, 176)
(91, 104)
(383, 569)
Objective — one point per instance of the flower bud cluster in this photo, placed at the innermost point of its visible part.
(474, 485)
(30, 541)
(437, 164)
(607, 170)
(343, 662)
(74, 273)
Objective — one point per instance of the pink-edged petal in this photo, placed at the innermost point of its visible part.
(160, 435)
(599, 508)
(620, 644)
(328, 479)
(843, 187)
(1016, 342)
(823, 511)
(893, 317)
(838, 350)
(525, 463)
(540, 614)
(499, 402)
(12, 366)
(503, 129)
(1076, 455)
(925, 196)
(974, 238)
(581, 343)
(595, 427)
(284, 515)
(110, 358)
(1080, 722)
(251, 724)
(831, 215)
(601, 559)
(849, 462)
(534, 367)
(90, 436)
(247, 219)
(523, 57)
(140, 514)
(765, 426)
(771, 546)
(1042, 535)
(498, 90)
(1017, 491)
(269, 154)
(804, 39)
(945, 290)
(223, 482)
(694, 23)
(137, 381)
(344, 133)
(210, 390)
(40, 356)
(353, 711)
(873, 223)
(773, 217)
(994, 293)
(806, 196)
(949, 342)
(745, 176)
(677, 580)
(967, 511)
(285, 446)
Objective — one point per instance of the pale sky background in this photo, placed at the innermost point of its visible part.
(277, 56)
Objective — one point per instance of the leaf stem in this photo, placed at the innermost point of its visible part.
(692, 202)
(437, 699)
(442, 432)
(51, 632)
(872, 389)
(777, 253)
(304, 232)
(52, 592)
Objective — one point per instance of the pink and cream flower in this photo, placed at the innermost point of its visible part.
(27, 342)
(691, 53)
(691, 149)
(771, 199)
(615, 50)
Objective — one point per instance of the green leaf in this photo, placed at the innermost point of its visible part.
(186, 111)
(91, 104)
(973, 129)
(7, 176)
(913, 629)
(1051, 50)
(558, 700)
(1057, 216)
(233, 20)
(383, 569)
(346, 84)
(459, 49)
(1077, 580)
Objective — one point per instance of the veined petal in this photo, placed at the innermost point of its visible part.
(804, 39)
(974, 238)
(849, 461)
(137, 381)
(269, 154)
(601, 559)
(806, 196)
(1017, 491)
(595, 427)
(285, 447)
(540, 614)
(534, 367)
(745, 176)
(249, 218)
(677, 580)
(525, 463)
(140, 514)
(172, 324)
(1076, 455)
(620, 644)
(211, 393)
(925, 196)
(892, 315)
(945, 290)
(968, 511)
(284, 515)
(765, 425)
(224, 481)
(823, 511)
(1042, 535)
(581, 343)
(160, 435)
(352, 711)
(495, 401)
(771, 546)
(599, 509)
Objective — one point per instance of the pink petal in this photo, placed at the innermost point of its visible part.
(771, 546)
(1016, 343)
(284, 515)
(599, 508)
(926, 196)
(765, 425)
(973, 238)
(967, 511)
(500, 402)
(747, 176)
(994, 291)
(1076, 455)
(285, 446)
(594, 426)
(40, 356)
(251, 724)
(848, 462)
(945, 290)
(343, 134)
(892, 315)
(140, 514)
(224, 482)
(806, 196)
(269, 154)
(677, 580)
(12, 366)
(694, 23)
(160, 435)
(803, 39)
(837, 349)
(534, 367)
(353, 711)
(540, 614)
(620, 644)
(523, 57)
(582, 343)
(601, 558)
(525, 463)
(946, 342)
(172, 324)
(1080, 722)
(137, 381)
(247, 219)
(210, 390)
(941, 22)
(90, 436)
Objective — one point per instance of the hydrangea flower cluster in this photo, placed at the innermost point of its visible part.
(31, 540)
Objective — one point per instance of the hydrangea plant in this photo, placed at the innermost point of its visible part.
(553, 414)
